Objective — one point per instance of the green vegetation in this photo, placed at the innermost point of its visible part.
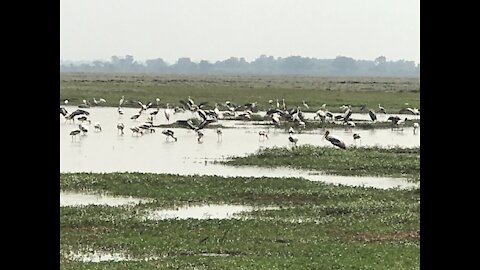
(318, 226)
(375, 161)
(392, 93)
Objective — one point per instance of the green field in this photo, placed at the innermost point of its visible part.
(318, 226)
(391, 93)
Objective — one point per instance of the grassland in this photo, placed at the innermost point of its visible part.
(318, 226)
(374, 161)
(392, 93)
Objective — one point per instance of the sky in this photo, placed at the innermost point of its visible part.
(216, 30)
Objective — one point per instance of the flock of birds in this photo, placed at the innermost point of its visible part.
(275, 113)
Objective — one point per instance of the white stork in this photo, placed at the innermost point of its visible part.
(415, 127)
(169, 133)
(120, 127)
(356, 137)
(262, 134)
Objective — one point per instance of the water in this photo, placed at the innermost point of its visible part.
(80, 199)
(213, 211)
(107, 151)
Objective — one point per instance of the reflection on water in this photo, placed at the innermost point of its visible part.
(107, 151)
(213, 211)
(78, 199)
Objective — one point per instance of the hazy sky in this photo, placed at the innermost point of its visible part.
(218, 29)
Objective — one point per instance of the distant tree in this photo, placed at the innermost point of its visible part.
(344, 64)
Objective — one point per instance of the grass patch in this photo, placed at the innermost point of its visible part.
(318, 226)
(363, 161)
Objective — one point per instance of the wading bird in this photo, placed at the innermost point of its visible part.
(372, 114)
(382, 109)
(200, 136)
(293, 139)
(122, 100)
(356, 137)
(169, 133)
(120, 127)
(97, 126)
(136, 130)
(305, 104)
(337, 141)
(262, 134)
(415, 127)
(135, 116)
(75, 133)
(219, 134)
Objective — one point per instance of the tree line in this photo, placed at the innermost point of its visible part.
(292, 65)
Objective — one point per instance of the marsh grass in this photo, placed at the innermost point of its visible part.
(362, 161)
(318, 225)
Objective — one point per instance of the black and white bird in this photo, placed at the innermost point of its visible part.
(372, 114)
(337, 141)
(122, 100)
(135, 116)
(97, 126)
(356, 137)
(120, 127)
(136, 130)
(293, 139)
(169, 133)
(415, 127)
(190, 125)
(120, 110)
(75, 133)
(291, 131)
(321, 115)
(83, 128)
(262, 134)
(219, 134)
(382, 109)
(63, 111)
(305, 104)
(200, 136)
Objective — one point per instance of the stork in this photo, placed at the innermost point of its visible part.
(321, 115)
(120, 111)
(200, 136)
(415, 127)
(219, 134)
(372, 114)
(136, 130)
(291, 131)
(278, 104)
(262, 134)
(305, 104)
(97, 126)
(169, 133)
(301, 124)
(122, 100)
(65, 101)
(75, 133)
(400, 124)
(83, 128)
(293, 139)
(135, 116)
(63, 111)
(356, 137)
(167, 112)
(120, 127)
(337, 141)
(382, 109)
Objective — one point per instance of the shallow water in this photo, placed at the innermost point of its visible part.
(107, 151)
(212, 211)
(80, 199)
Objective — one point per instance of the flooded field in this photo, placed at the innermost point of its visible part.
(80, 199)
(108, 151)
